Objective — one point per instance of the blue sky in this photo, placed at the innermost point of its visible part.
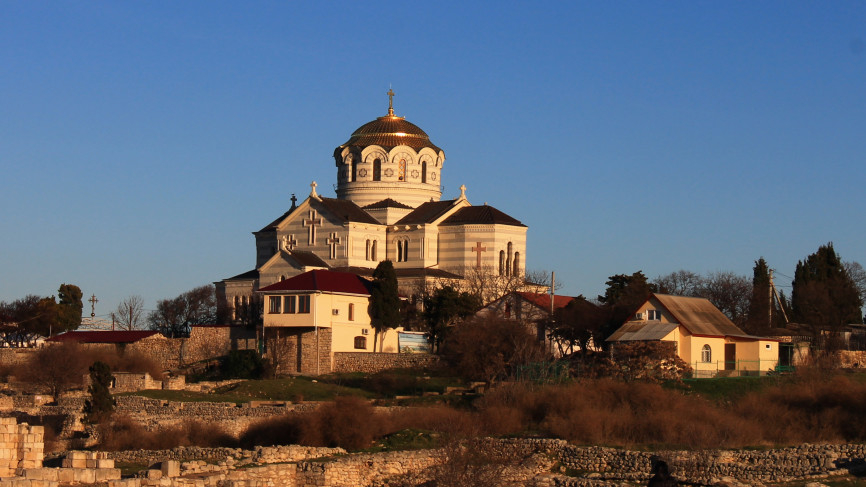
(142, 142)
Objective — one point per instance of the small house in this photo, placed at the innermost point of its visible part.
(704, 337)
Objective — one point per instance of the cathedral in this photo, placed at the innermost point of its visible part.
(388, 206)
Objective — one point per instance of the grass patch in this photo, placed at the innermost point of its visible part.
(293, 389)
(395, 382)
(723, 389)
(129, 469)
(408, 439)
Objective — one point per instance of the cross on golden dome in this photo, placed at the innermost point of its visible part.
(390, 102)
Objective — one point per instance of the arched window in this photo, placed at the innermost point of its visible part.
(377, 170)
(360, 343)
(501, 262)
(706, 354)
(354, 173)
(402, 250)
(373, 251)
(516, 270)
(369, 248)
(508, 262)
(423, 171)
(235, 311)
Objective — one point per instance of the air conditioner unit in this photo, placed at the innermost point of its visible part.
(335, 312)
(638, 316)
(365, 332)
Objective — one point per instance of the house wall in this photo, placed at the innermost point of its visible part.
(717, 347)
(322, 308)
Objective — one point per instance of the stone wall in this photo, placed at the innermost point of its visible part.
(21, 446)
(293, 350)
(15, 356)
(376, 362)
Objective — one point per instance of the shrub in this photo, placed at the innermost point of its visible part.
(349, 422)
(284, 430)
(124, 433)
(242, 364)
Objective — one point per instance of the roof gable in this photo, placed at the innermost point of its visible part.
(323, 281)
(698, 315)
(387, 203)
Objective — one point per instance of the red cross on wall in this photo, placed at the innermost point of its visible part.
(478, 249)
(333, 241)
(312, 222)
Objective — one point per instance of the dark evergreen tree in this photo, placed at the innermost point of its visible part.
(101, 404)
(384, 300)
(824, 297)
(69, 308)
(623, 296)
(442, 308)
(763, 312)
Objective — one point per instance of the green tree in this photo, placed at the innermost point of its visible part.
(763, 313)
(824, 297)
(384, 300)
(577, 324)
(443, 308)
(69, 308)
(623, 296)
(101, 404)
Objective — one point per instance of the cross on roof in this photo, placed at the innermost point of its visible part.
(312, 222)
(313, 189)
(93, 302)
(478, 249)
(333, 241)
(390, 102)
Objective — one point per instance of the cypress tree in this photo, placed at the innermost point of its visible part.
(101, 404)
(384, 300)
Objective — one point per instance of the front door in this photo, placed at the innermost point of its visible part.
(730, 356)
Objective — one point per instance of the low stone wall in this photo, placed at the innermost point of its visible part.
(293, 350)
(376, 362)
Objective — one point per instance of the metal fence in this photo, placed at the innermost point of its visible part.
(737, 368)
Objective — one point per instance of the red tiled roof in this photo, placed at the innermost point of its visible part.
(103, 336)
(323, 280)
(543, 300)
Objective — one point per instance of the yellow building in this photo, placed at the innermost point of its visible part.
(705, 338)
(309, 317)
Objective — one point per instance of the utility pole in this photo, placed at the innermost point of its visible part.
(775, 292)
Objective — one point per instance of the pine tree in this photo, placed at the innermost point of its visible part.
(824, 297)
(758, 321)
(384, 300)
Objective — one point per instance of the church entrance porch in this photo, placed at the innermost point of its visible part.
(298, 350)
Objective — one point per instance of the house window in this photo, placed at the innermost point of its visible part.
(360, 343)
(706, 354)
(289, 305)
(351, 311)
(275, 304)
(304, 304)
(653, 315)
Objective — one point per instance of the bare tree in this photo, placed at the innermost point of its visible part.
(679, 283)
(730, 293)
(129, 314)
(858, 275)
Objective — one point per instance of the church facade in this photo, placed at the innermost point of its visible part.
(388, 206)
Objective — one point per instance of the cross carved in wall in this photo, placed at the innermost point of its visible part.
(333, 241)
(312, 222)
(478, 249)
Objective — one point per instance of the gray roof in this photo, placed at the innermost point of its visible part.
(642, 330)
